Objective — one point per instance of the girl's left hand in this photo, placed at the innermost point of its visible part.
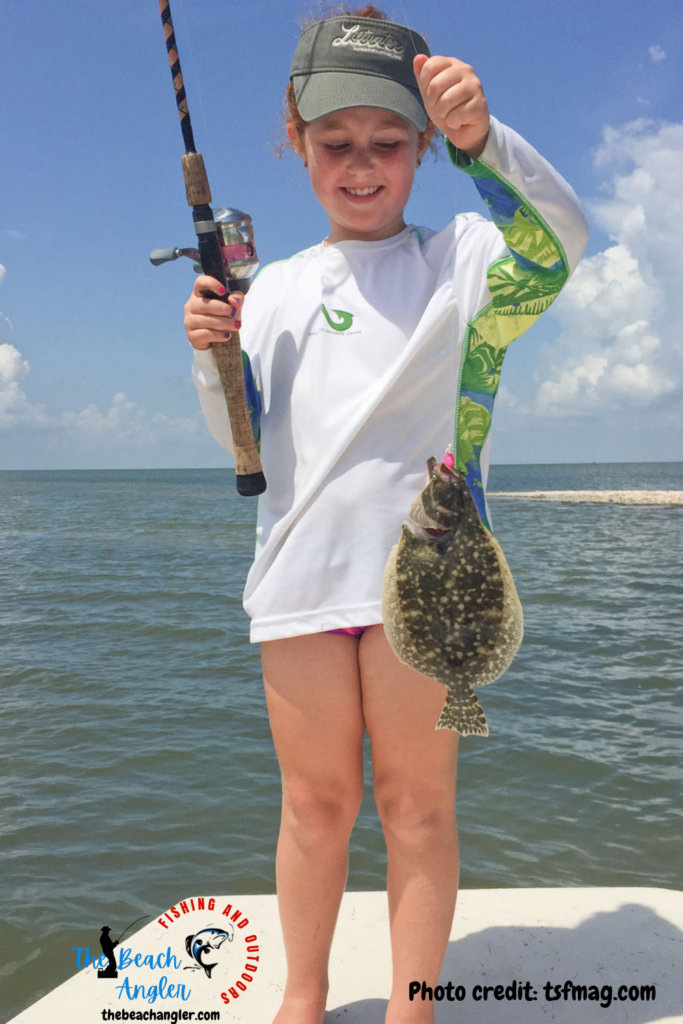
(455, 102)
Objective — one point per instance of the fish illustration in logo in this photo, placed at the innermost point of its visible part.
(204, 944)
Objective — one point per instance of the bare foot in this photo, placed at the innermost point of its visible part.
(304, 1009)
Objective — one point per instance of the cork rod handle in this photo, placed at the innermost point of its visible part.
(248, 469)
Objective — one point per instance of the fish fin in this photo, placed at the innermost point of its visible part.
(511, 629)
(465, 716)
(392, 617)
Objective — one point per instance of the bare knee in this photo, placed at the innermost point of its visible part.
(415, 816)
(318, 812)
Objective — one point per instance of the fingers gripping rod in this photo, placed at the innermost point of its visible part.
(248, 471)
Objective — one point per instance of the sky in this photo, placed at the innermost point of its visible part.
(95, 366)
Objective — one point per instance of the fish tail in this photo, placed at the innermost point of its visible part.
(464, 715)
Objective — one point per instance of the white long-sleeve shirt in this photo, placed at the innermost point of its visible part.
(369, 357)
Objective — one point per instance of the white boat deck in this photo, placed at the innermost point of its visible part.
(588, 936)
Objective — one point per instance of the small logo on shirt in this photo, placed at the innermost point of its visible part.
(338, 325)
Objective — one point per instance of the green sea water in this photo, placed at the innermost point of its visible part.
(137, 760)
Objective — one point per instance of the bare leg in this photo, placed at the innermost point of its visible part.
(414, 773)
(313, 694)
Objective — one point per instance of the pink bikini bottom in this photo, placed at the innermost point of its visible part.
(348, 631)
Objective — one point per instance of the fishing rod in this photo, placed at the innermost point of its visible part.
(226, 252)
(130, 926)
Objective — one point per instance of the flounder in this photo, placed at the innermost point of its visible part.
(449, 603)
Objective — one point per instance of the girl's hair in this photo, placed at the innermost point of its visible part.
(290, 110)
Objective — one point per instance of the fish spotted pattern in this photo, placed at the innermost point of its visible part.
(449, 603)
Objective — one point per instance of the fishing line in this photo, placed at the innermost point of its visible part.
(453, 446)
(406, 22)
(131, 925)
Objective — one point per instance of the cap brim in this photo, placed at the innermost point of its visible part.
(326, 92)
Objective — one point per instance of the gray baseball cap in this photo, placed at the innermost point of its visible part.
(358, 62)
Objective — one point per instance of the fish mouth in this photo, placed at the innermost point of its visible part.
(434, 519)
(449, 473)
(423, 527)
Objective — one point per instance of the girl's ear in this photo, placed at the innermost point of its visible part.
(296, 140)
(424, 141)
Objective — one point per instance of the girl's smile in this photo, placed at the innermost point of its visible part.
(362, 163)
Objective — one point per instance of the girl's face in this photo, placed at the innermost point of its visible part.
(366, 150)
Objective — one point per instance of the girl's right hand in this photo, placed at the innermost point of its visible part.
(208, 321)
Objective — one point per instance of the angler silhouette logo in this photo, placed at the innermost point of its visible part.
(108, 947)
(340, 325)
(220, 957)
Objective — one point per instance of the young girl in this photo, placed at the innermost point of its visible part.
(370, 351)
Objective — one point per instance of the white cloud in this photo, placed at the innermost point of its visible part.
(505, 399)
(620, 314)
(123, 424)
(656, 53)
(116, 430)
(15, 407)
(13, 402)
(12, 365)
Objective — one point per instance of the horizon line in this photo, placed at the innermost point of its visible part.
(231, 469)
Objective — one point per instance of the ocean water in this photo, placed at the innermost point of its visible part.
(137, 762)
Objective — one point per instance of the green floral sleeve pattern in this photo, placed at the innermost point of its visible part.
(522, 286)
